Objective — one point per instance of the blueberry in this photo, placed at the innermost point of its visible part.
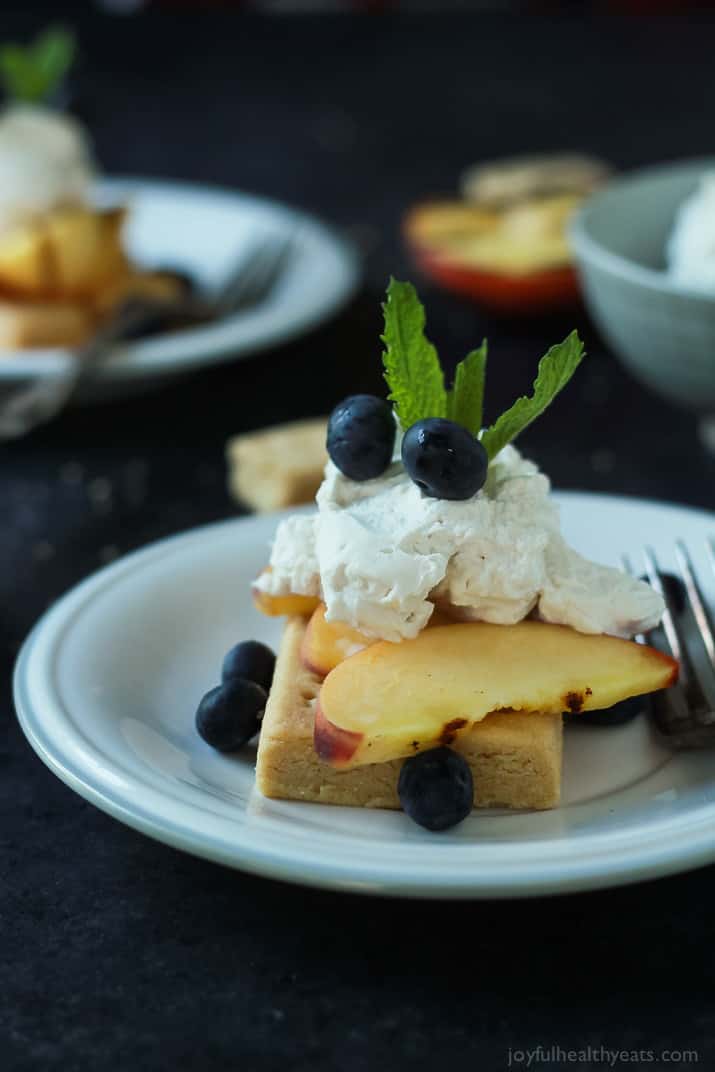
(444, 459)
(618, 715)
(436, 788)
(361, 436)
(251, 660)
(229, 715)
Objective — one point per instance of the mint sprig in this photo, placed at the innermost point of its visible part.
(465, 401)
(31, 73)
(555, 370)
(414, 376)
(412, 368)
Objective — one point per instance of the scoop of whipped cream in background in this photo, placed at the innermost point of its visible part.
(690, 251)
(45, 162)
(382, 555)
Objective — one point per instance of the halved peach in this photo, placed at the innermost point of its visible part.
(434, 224)
(532, 292)
(393, 700)
(515, 259)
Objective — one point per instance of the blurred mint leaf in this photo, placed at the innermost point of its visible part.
(465, 401)
(32, 73)
(54, 53)
(17, 73)
(412, 368)
(555, 370)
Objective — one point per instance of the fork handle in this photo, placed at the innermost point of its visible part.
(132, 315)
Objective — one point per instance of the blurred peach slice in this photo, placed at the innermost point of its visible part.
(25, 263)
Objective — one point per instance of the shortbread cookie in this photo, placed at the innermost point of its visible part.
(279, 466)
(515, 758)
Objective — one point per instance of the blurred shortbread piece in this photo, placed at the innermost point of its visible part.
(43, 324)
(278, 466)
(513, 179)
(515, 758)
(26, 324)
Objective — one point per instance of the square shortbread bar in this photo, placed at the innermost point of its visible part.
(515, 758)
(278, 466)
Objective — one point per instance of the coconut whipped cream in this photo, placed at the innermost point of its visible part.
(44, 162)
(691, 247)
(381, 555)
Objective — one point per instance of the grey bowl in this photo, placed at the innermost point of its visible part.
(663, 331)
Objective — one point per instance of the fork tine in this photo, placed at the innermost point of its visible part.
(254, 279)
(677, 711)
(683, 714)
(255, 275)
(274, 265)
(672, 635)
(698, 606)
(242, 280)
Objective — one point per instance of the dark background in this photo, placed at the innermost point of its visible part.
(121, 953)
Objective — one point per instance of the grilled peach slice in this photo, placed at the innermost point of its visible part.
(290, 605)
(327, 644)
(392, 700)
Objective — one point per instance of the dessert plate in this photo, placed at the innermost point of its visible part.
(107, 684)
(203, 230)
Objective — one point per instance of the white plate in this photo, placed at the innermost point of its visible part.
(204, 231)
(107, 684)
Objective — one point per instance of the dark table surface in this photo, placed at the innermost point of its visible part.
(118, 952)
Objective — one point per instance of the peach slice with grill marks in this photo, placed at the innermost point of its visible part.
(393, 700)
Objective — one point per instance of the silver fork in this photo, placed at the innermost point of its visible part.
(247, 285)
(685, 713)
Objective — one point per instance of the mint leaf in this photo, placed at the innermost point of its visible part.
(412, 368)
(465, 402)
(32, 73)
(555, 370)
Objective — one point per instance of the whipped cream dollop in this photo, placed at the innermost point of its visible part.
(45, 162)
(691, 246)
(382, 555)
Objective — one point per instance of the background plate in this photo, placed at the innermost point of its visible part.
(107, 684)
(203, 230)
